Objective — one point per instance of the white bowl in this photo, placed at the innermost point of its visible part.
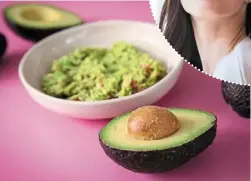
(37, 61)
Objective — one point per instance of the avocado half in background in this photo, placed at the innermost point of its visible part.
(3, 45)
(37, 21)
(238, 97)
(195, 133)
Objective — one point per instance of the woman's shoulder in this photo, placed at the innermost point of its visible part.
(243, 53)
(243, 46)
(156, 7)
(236, 66)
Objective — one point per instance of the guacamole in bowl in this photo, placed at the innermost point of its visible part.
(92, 74)
(100, 70)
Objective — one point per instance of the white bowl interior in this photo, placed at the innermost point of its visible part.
(147, 37)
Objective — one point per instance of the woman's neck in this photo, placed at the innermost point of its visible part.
(216, 38)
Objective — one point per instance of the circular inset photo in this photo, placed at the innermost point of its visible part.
(212, 35)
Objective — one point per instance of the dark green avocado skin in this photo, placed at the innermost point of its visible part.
(33, 34)
(161, 160)
(238, 97)
(3, 45)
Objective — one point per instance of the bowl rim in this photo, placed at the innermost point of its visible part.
(99, 102)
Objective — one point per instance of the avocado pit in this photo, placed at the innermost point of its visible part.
(152, 123)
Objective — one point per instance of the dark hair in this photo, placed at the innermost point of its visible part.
(176, 26)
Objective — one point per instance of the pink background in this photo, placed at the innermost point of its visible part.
(38, 145)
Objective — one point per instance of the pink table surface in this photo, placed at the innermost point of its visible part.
(39, 145)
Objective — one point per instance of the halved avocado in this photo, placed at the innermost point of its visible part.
(3, 45)
(196, 133)
(238, 97)
(37, 21)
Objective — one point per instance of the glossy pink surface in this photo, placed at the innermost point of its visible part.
(38, 145)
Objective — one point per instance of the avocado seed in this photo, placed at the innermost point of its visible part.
(152, 123)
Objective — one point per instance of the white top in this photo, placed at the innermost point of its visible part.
(156, 7)
(234, 67)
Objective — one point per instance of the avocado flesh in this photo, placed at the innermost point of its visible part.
(238, 97)
(197, 132)
(36, 21)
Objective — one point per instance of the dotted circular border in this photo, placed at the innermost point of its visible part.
(185, 59)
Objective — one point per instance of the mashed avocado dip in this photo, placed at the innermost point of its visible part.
(90, 74)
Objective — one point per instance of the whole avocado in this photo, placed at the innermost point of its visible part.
(3, 45)
(238, 97)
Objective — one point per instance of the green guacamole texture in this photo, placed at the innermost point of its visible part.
(92, 74)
